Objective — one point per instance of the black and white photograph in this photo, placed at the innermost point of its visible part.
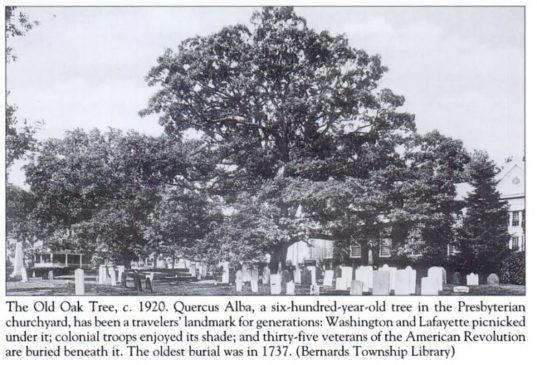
(265, 151)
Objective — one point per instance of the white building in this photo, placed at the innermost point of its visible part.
(511, 185)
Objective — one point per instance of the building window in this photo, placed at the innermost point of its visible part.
(514, 243)
(356, 251)
(328, 251)
(385, 247)
(516, 219)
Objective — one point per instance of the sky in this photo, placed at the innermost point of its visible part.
(461, 70)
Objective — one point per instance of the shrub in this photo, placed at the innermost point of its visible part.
(513, 269)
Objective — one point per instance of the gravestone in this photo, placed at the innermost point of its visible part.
(402, 282)
(493, 279)
(365, 275)
(341, 284)
(456, 278)
(461, 289)
(314, 289)
(246, 273)
(120, 271)
(328, 278)
(113, 279)
(238, 281)
(429, 286)
(254, 285)
(297, 276)
(18, 263)
(392, 271)
(290, 288)
(346, 273)
(275, 284)
(24, 275)
(225, 272)
(266, 275)
(436, 274)
(51, 275)
(472, 279)
(356, 287)
(412, 279)
(381, 282)
(255, 274)
(79, 282)
(102, 274)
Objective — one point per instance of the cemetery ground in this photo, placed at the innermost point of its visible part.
(66, 287)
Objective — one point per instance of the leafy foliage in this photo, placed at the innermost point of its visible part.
(276, 102)
(483, 237)
(17, 25)
(513, 269)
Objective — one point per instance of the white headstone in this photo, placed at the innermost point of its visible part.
(381, 282)
(275, 284)
(254, 284)
(328, 279)
(356, 287)
(246, 273)
(412, 279)
(435, 273)
(225, 272)
(365, 275)
(314, 289)
(341, 284)
(120, 271)
(18, 263)
(346, 273)
(254, 274)
(402, 282)
(238, 281)
(290, 288)
(113, 279)
(429, 286)
(392, 271)
(79, 282)
(297, 276)
(472, 279)
(24, 275)
(102, 274)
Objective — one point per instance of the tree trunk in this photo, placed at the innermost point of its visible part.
(278, 256)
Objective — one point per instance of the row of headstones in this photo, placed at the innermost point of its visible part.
(110, 274)
(381, 282)
(378, 282)
(251, 275)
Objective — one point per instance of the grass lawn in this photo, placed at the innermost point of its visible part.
(66, 287)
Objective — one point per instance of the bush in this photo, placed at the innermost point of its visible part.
(513, 269)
